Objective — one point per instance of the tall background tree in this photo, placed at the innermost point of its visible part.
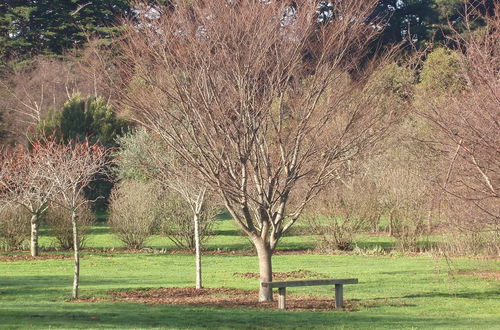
(28, 28)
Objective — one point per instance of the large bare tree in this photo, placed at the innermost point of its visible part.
(257, 97)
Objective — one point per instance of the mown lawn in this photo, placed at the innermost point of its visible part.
(394, 292)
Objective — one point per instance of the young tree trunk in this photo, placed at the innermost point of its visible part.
(76, 278)
(391, 229)
(34, 235)
(264, 254)
(196, 219)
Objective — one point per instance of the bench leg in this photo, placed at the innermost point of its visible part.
(281, 298)
(339, 296)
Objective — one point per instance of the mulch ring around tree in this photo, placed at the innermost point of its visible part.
(282, 276)
(28, 257)
(484, 274)
(221, 297)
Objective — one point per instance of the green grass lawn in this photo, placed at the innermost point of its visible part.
(396, 292)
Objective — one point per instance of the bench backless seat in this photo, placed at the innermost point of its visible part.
(338, 282)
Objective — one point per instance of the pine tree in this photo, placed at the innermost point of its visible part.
(31, 27)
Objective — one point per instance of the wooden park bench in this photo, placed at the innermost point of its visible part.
(339, 289)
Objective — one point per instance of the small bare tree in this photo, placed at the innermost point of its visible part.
(72, 167)
(22, 182)
(194, 194)
(255, 96)
(173, 173)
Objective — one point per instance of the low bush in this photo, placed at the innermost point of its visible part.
(340, 216)
(470, 243)
(14, 228)
(133, 212)
(176, 218)
(59, 221)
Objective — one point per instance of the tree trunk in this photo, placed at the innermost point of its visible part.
(34, 236)
(391, 219)
(264, 252)
(196, 219)
(429, 222)
(76, 278)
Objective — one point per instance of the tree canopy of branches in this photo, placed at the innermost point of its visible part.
(22, 182)
(71, 167)
(468, 131)
(256, 98)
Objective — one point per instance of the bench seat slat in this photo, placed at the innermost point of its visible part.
(309, 282)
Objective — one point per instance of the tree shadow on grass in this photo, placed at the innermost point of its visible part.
(130, 315)
(47, 285)
(492, 294)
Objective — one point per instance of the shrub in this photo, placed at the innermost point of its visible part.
(441, 72)
(407, 229)
(177, 222)
(342, 215)
(14, 228)
(470, 243)
(133, 212)
(59, 221)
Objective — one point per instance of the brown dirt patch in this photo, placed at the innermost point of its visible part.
(484, 274)
(298, 274)
(27, 257)
(220, 297)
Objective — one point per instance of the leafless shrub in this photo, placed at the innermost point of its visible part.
(133, 212)
(343, 213)
(59, 220)
(14, 227)
(406, 197)
(461, 243)
(176, 218)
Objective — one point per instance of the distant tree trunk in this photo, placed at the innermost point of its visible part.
(34, 235)
(196, 218)
(391, 224)
(264, 253)
(76, 278)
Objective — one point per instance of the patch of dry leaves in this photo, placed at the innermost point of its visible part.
(484, 274)
(220, 297)
(28, 257)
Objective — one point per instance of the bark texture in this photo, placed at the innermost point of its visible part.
(264, 253)
(34, 236)
(76, 277)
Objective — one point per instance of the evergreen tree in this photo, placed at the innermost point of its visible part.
(30, 27)
(81, 119)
